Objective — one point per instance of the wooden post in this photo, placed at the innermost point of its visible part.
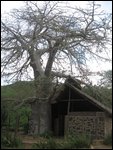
(68, 109)
(17, 125)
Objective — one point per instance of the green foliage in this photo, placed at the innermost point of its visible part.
(108, 139)
(18, 90)
(79, 141)
(103, 91)
(47, 134)
(26, 127)
(71, 142)
(65, 144)
(100, 93)
(9, 140)
(24, 113)
(4, 114)
(49, 144)
(106, 79)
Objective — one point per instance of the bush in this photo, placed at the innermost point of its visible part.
(26, 128)
(79, 141)
(49, 144)
(8, 140)
(71, 142)
(108, 139)
(47, 134)
(64, 145)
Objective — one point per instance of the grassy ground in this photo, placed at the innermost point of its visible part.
(28, 142)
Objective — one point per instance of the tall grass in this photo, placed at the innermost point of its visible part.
(70, 142)
(8, 140)
(108, 139)
(79, 140)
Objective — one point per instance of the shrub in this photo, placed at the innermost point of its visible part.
(71, 142)
(8, 140)
(64, 145)
(26, 128)
(47, 134)
(79, 141)
(49, 144)
(108, 139)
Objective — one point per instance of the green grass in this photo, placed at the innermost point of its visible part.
(70, 142)
(8, 140)
(108, 139)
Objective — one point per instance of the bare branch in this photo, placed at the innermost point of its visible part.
(47, 29)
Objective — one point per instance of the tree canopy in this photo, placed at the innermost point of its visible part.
(106, 79)
(47, 39)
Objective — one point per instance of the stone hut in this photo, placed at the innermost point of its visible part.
(76, 112)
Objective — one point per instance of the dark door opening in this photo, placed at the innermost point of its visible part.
(58, 126)
(59, 110)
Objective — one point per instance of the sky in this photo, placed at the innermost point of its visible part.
(7, 6)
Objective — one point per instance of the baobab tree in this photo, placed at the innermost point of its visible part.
(46, 38)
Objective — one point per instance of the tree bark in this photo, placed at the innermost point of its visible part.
(40, 119)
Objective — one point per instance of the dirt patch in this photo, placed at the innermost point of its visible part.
(29, 140)
(98, 144)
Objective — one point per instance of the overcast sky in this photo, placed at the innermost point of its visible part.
(6, 6)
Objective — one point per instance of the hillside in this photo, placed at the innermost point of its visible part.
(23, 89)
(18, 90)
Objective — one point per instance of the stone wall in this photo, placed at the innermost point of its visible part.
(91, 123)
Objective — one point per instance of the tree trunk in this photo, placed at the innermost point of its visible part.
(40, 119)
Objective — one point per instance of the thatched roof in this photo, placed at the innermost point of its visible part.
(75, 85)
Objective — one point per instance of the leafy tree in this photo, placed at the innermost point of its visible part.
(106, 79)
(48, 40)
(103, 91)
(100, 93)
(10, 95)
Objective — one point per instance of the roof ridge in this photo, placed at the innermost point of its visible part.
(91, 99)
